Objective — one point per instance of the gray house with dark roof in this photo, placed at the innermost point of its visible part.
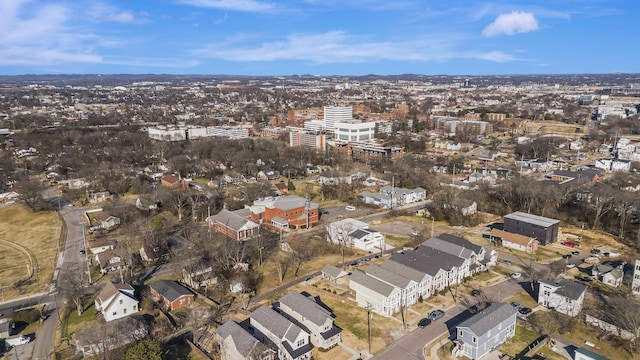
(565, 296)
(312, 317)
(445, 269)
(272, 328)
(237, 343)
(486, 330)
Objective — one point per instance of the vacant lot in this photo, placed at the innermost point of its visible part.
(38, 234)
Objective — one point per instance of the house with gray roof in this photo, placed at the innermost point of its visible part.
(276, 330)
(408, 287)
(355, 233)
(237, 343)
(445, 269)
(171, 293)
(423, 280)
(479, 257)
(381, 297)
(486, 330)
(609, 274)
(233, 224)
(333, 273)
(309, 315)
(565, 296)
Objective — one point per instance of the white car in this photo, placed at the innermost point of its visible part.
(515, 275)
(350, 208)
(571, 266)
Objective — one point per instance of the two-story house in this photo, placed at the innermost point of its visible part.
(272, 328)
(115, 301)
(237, 343)
(486, 330)
(565, 296)
(408, 287)
(311, 317)
(374, 294)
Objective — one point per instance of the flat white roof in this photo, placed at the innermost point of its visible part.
(532, 219)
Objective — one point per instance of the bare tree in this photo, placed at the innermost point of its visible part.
(71, 286)
(283, 263)
(602, 202)
(30, 194)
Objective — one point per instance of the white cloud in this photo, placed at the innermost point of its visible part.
(497, 56)
(233, 5)
(104, 12)
(512, 23)
(336, 47)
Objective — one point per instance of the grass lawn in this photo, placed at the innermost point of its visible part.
(75, 322)
(38, 233)
(335, 353)
(522, 339)
(270, 273)
(525, 299)
(353, 320)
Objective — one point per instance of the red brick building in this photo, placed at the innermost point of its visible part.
(285, 212)
(171, 293)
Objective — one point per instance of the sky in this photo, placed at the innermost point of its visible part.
(319, 37)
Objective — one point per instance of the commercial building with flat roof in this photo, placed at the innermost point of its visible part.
(543, 229)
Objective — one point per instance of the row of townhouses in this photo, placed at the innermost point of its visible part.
(406, 277)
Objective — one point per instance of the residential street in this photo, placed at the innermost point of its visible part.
(410, 346)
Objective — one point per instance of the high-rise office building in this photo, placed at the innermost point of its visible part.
(334, 114)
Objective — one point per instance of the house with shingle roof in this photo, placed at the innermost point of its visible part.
(408, 287)
(565, 296)
(609, 274)
(445, 269)
(171, 293)
(333, 273)
(115, 301)
(381, 297)
(423, 280)
(309, 315)
(519, 242)
(274, 329)
(233, 224)
(485, 330)
(237, 343)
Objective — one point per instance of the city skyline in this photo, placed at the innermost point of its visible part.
(256, 37)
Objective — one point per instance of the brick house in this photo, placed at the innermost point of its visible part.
(171, 293)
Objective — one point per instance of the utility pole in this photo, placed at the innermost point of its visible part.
(433, 221)
(86, 258)
(369, 325)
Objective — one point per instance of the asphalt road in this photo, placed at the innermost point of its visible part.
(411, 345)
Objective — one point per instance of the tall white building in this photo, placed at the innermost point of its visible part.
(334, 114)
(354, 130)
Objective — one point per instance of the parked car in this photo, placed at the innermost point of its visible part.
(571, 266)
(524, 310)
(584, 278)
(475, 292)
(424, 322)
(575, 252)
(16, 340)
(350, 208)
(515, 275)
(516, 305)
(566, 256)
(436, 314)
(82, 251)
(506, 262)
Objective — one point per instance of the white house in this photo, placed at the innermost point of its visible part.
(564, 296)
(408, 287)
(313, 318)
(115, 301)
(608, 274)
(380, 297)
(355, 233)
(291, 341)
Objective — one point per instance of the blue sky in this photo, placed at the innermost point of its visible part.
(320, 37)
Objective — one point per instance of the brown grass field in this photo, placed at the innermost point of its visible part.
(38, 233)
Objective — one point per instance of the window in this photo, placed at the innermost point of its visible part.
(474, 339)
(115, 313)
(121, 301)
(460, 333)
(124, 311)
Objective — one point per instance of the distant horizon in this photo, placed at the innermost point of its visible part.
(323, 75)
(319, 37)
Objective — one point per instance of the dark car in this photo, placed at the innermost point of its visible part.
(566, 256)
(525, 310)
(436, 314)
(575, 252)
(584, 278)
(475, 292)
(82, 251)
(424, 322)
(516, 305)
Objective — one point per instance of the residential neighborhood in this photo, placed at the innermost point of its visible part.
(326, 218)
